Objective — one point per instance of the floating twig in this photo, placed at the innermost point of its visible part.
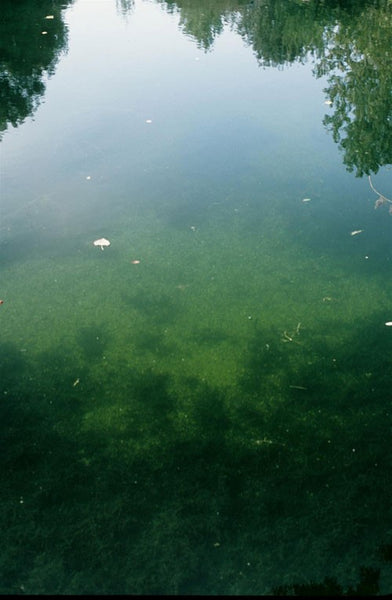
(290, 338)
(381, 198)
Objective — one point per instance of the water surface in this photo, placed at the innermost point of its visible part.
(204, 406)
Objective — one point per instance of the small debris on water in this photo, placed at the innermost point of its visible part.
(76, 382)
(306, 199)
(101, 242)
(136, 261)
(88, 177)
(290, 338)
(328, 102)
(388, 323)
(148, 120)
(49, 17)
(356, 231)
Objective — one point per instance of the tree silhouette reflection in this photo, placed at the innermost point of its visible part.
(33, 36)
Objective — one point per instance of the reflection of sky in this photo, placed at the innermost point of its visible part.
(215, 115)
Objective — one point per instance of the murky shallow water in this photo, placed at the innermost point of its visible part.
(215, 417)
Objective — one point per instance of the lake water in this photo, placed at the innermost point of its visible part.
(204, 406)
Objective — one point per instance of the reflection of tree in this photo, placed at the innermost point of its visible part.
(282, 32)
(279, 31)
(350, 42)
(358, 57)
(30, 46)
(124, 6)
(204, 20)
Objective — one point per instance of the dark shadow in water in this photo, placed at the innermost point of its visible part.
(41, 243)
(157, 308)
(123, 485)
(154, 343)
(368, 586)
(209, 336)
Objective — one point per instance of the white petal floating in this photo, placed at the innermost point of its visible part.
(101, 242)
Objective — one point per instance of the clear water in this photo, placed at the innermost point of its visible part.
(205, 405)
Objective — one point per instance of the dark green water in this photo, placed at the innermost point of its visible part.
(215, 418)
